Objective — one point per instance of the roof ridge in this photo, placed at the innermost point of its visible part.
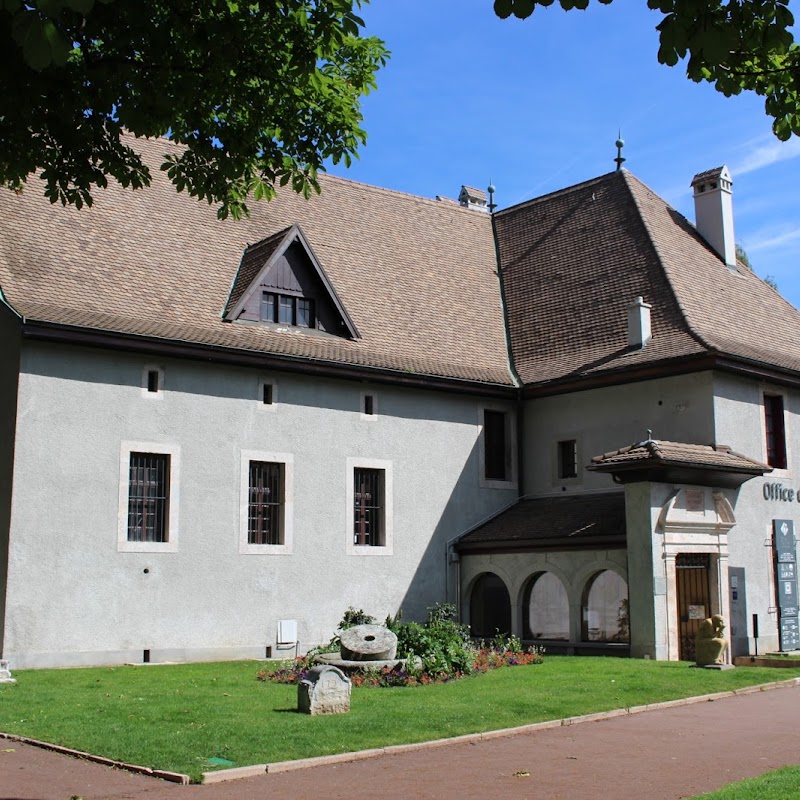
(556, 193)
(326, 176)
(630, 179)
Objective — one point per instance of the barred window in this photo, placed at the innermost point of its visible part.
(265, 506)
(568, 459)
(148, 497)
(368, 502)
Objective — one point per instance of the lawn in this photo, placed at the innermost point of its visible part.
(782, 784)
(178, 717)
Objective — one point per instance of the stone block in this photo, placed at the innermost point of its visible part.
(326, 690)
(5, 672)
(368, 643)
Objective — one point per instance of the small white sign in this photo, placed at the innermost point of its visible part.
(697, 612)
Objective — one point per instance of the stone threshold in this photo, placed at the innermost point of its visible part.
(254, 770)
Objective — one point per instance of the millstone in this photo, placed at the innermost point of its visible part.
(368, 643)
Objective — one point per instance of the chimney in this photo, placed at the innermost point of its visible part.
(470, 197)
(639, 332)
(713, 211)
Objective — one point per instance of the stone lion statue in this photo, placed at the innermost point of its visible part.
(710, 642)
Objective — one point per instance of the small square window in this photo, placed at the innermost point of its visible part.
(568, 458)
(266, 394)
(152, 380)
(369, 405)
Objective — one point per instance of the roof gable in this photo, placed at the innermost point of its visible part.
(268, 265)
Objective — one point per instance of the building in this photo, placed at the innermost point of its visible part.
(576, 418)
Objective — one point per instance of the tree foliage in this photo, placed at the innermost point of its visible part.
(736, 45)
(260, 92)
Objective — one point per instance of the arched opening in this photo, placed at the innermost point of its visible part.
(605, 609)
(489, 606)
(545, 608)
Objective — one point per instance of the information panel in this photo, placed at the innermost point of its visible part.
(786, 583)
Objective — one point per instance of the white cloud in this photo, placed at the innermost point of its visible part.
(769, 152)
(769, 239)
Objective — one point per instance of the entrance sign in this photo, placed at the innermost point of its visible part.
(786, 583)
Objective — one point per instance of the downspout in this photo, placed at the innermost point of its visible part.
(519, 438)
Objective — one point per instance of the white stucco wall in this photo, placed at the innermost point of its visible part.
(9, 371)
(739, 415)
(678, 409)
(74, 598)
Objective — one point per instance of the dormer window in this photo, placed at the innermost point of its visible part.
(280, 281)
(287, 309)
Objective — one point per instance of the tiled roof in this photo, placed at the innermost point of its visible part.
(253, 259)
(651, 452)
(417, 276)
(574, 260)
(564, 521)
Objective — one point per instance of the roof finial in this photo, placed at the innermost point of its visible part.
(492, 205)
(649, 435)
(620, 159)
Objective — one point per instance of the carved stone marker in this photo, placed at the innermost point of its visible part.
(367, 643)
(710, 643)
(5, 673)
(326, 690)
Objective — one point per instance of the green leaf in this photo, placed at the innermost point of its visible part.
(81, 6)
(523, 8)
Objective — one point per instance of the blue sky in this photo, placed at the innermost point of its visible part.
(535, 105)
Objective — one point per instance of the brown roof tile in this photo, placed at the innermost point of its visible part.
(565, 521)
(572, 261)
(713, 456)
(418, 277)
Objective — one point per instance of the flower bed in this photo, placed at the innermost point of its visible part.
(485, 659)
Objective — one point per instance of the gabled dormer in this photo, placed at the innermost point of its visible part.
(280, 282)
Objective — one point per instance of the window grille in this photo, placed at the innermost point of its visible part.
(266, 499)
(148, 497)
(368, 507)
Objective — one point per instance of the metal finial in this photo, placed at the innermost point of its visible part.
(492, 205)
(620, 159)
(649, 435)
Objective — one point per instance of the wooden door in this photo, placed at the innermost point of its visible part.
(691, 573)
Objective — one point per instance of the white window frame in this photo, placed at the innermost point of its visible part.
(287, 516)
(262, 382)
(387, 548)
(159, 448)
(511, 445)
(159, 393)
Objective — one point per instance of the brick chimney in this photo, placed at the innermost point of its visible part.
(713, 211)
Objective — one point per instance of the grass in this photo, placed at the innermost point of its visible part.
(782, 784)
(178, 717)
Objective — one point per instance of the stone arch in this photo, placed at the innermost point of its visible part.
(604, 608)
(545, 607)
(489, 605)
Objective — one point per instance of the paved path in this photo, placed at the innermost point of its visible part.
(658, 755)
